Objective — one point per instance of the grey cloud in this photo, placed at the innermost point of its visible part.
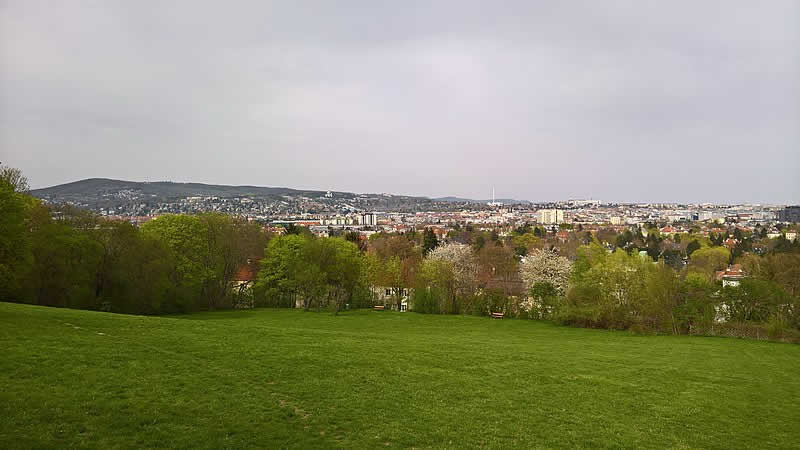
(630, 101)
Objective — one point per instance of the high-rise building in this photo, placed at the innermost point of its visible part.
(369, 219)
(789, 214)
(551, 216)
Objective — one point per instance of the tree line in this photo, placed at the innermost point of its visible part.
(67, 257)
(636, 279)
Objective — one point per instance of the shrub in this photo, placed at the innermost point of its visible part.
(543, 301)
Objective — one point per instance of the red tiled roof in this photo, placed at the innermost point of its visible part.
(733, 271)
(245, 273)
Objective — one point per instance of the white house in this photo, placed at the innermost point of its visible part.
(732, 276)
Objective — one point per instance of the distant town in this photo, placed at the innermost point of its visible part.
(328, 212)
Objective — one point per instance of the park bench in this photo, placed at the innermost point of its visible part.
(497, 315)
(379, 307)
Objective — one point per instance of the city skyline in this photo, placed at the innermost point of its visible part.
(682, 102)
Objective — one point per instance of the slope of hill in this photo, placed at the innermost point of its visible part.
(363, 379)
(93, 187)
(141, 198)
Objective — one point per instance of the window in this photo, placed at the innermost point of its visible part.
(388, 292)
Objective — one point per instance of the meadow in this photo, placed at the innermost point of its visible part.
(280, 378)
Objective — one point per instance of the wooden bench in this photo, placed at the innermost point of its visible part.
(379, 307)
(497, 315)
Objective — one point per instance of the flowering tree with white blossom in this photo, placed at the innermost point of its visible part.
(546, 276)
(546, 266)
(464, 263)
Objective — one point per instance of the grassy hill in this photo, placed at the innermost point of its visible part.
(270, 378)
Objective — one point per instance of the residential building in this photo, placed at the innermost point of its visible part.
(368, 219)
(732, 276)
(551, 216)
(789, 214)
(388, 296)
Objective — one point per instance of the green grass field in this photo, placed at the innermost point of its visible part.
(365, 379)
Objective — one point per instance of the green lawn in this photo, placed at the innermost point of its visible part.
(365, 379)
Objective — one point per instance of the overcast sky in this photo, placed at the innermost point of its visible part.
(624, 101)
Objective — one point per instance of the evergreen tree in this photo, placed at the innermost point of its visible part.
(694, 245)
(429, 241)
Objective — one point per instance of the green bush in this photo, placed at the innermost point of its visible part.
(427, 300)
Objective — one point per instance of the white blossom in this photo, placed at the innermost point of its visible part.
(546, 266)
(464, 263)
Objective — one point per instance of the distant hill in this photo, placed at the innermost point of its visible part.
(454, 200)
(507, 201)
(164, 189)
(104, 187)
(141, 198)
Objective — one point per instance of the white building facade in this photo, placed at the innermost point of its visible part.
(550, 216)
